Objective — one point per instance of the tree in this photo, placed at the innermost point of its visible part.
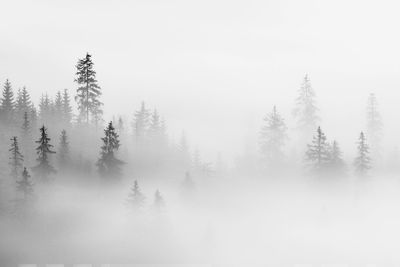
(159, 202)
(184, 153)
(154, 129)
(374, 125)
(25, 185)
(362, 162)
(16, 158)
(45, 108)
(23, 103)
(136, 198)
(108, 164)
(141, 123)
(58, 107)
(63, 150)
(89, 91)
(273, 137)
(317, 154)
(7, 103)
(43, 169)
(336, 163)
(66, 108)
(306, 110)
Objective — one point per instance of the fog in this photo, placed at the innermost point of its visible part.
(217, 132)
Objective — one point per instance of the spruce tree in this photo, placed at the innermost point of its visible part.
(317, 154)
(16, 158)
(306, 110)
(23, 103)
(273, 137)
(108, 165)
(43, 169)
(183, 152)
(58, 107)
(25, 185)
(88, 92)
(7, 103)
(136, 198)
(66, 108)
(362, 162)
(45, 109)
(336, 163)
(374, 125)
(63, 150)
(159, 202)
(141, 123)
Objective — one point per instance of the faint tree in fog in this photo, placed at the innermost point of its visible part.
(66, 108)
(317, 154)
(58, 107)
(16, 158)
(25, 185)
(45, 109)
(183, 152)
(159, 202)
(136, 198)
(272, 137)
(141, 123)
(26, 128)
(63, 151)
(43, 169)
(362, 162)
(108, 165)
(120, 125)
(306, 110)
(336, 163)
(89, 91)
(23, 103)
(7, 103)
(374, 125)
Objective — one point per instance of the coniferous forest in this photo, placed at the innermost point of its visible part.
(212, 133)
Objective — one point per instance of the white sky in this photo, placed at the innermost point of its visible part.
(213, 67)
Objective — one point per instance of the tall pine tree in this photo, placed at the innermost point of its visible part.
(16, 158)
(374, 126)
(318, 152)
(7, 103)
(43, 169)
(362, 162)
(63, 151)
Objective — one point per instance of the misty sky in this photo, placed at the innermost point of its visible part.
(213, 67)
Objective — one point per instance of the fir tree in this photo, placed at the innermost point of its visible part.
(45, 108)
(141, 123)
(121, 127)
(43, 169)
(374, 125)
(136, 198)
(273, 137)
(63, 150)
(23, 103)
(58, 107)
(336, 163)
(154, 126)
(362, 162)
(16, 158)
(306, 110)
(184, 153)
(7, 103)
(25, 185)
(317, 154)
(108, 164)
(159, 202)
(89, 91)
(66, 108)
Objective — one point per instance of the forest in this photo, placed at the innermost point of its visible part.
(77, 187)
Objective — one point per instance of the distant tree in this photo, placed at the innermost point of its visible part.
(136, 198)
(58, 107)
(336, 163)
(184, 153)
(23, 103)
(188, 187)
(141, 123)
(63, 150)
(108, 164)
(273, 136)
(196, 160)
(374, 125)
(155, 126)
(25, 185)
(318, 152)
(26, 137)
(159, 202)
(362, 162)
(43, 169)
(16, 158)
(45, 109)
(25, 124)
(89, 91)
(33, 117)
(306, 110)
(121, 127)
(66, 107)
(7, 103)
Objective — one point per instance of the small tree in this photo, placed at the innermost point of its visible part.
(141, 123)
(63, 150)
(108, 164)
(362, 162)
(43, 169)
(7, 103)
(16, 158)
(317, 154)
(159, 202)
(66, 108)
(25, 186)
(136, 198)
(336, 163)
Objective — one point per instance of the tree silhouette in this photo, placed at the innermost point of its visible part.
(43, 169)
(16, 158)
(317, 154)
(362, 162)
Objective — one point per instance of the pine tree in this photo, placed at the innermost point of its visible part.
(25, 185)
(107, 164)
(45, 109)
(25, 125)
(273, 137)
(362, 162)
(184, 153)
(159, 202)
(43, 169)
(374, 125)
(89, 91)
(66, 108)
(154, 126)
(336, 163)
(58, 107)
(7, 103)
(136, 198)
(16, 158)
(141, 123)
(63, 150)
(23, 103)
(306, 110)
(121, 127)
(317, 154)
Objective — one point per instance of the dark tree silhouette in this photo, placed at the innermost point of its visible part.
(362, 162)
(7, 103)
(108, 165)
(43, 169)
(16, 158)
(89, 91)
